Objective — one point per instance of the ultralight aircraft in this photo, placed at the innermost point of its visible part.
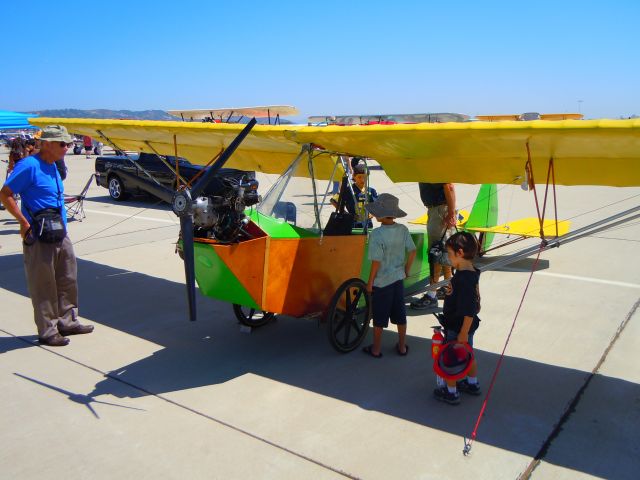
(270, 256)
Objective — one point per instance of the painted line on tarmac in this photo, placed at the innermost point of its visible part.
(138, 217)
(576, 277)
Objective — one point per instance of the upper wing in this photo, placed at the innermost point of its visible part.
(591, 152)
(265, 150)
(258, 112)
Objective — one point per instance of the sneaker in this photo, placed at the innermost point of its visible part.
(444, 395)
(425, 303)
(470, 388)
(56, 340)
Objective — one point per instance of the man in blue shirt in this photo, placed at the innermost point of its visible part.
(50, 268)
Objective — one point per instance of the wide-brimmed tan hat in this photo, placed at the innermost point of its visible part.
(386, 206)
(55, 133)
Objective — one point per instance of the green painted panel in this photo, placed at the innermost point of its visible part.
(278, 228)
(216, 280)
(485, 212)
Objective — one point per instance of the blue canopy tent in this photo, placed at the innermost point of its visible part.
(14, 120)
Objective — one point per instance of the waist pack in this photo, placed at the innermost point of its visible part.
(47, 225)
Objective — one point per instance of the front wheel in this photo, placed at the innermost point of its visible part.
(348, 315)
(251, 317)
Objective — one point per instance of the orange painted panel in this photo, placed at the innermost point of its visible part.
(302, 274)
(246, 261)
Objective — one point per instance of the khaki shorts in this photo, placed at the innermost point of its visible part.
(436, 226)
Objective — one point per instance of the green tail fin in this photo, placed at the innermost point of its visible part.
(485, 212)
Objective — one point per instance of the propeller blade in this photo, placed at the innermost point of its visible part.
(163, 193)
(186, 227)
(201, 184)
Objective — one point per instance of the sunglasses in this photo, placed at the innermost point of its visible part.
(65, 144)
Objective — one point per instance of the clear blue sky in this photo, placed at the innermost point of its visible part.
(327, 57)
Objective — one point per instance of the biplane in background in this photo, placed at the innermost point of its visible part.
(527, 116)
(236, 115)
(289, 256)
(386, 119)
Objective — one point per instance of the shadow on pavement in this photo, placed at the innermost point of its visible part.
(527, 400)
(137, 201)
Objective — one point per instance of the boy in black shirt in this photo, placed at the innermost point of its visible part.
(461, 308)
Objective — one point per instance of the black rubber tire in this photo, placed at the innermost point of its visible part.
(348, 315)
(254, 318)
(116, 188)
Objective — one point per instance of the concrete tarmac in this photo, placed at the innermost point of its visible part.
(151, 395)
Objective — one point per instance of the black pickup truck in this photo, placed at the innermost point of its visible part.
(108, 166)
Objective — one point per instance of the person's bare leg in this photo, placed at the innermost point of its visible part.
(447, 272)
(402, 335)
(473, 371)
(435, 274)
(377, 341)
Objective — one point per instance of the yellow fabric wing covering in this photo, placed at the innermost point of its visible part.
(528, 227)
(265, 149)
(591, 152)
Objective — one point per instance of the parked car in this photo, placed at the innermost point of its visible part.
(107, 170)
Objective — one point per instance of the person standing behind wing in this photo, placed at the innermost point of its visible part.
(440, 200)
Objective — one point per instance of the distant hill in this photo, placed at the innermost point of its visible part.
(104, 113)
(122, 114)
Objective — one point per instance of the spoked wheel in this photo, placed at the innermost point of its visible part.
(116, 188)
(252, 317)
(348, 315)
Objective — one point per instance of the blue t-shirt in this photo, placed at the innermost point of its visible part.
(39, 185)
(388, 245)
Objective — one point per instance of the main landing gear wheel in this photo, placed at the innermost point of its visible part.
(348, 315)
(252, 317)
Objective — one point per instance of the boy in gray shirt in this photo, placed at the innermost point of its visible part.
(391, 251)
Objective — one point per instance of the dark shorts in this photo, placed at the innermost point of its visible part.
(452, 336)
(388, 303)
(87, 148)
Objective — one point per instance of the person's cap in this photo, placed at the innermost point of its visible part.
(386, 206)
(359, 169)
(454, 361)
(55, 133)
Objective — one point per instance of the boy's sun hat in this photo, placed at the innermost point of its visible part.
(386, 206)
(454, 361)
(55, 133)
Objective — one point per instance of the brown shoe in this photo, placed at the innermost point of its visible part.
(77, 330)
(56, 340)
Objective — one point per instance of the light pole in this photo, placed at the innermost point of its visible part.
(579, 106)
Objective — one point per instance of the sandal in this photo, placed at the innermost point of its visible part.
(369, 351)
(406, 350)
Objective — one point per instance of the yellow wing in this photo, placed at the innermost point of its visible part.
(591, 152)
(528, 227)
(265, 150)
